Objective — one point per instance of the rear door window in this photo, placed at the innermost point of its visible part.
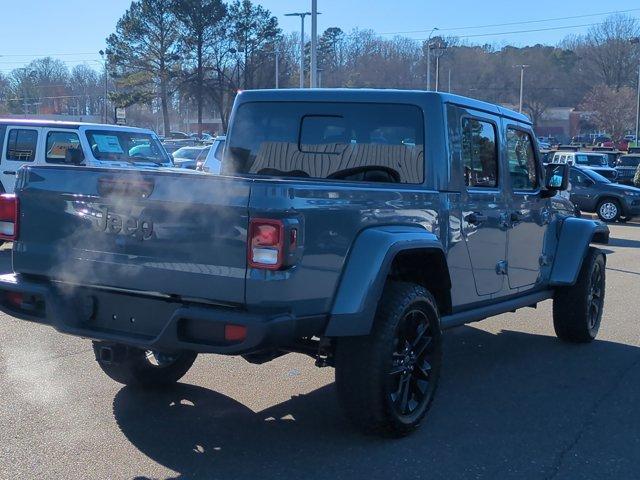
(479, 153)
(338, 141)
(58, 143)
(22, 144)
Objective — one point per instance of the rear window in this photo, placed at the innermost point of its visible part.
(629, 161)
(340, 141)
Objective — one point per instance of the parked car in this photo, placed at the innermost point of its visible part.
(186, 157)
(178, 136)
(213, 161)
(626, 167)
(591, 192)
(43, 142)
(332, 235)
(543, 144)
(595, 161)
(611, 154)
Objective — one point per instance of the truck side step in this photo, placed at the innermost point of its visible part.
(511, 305)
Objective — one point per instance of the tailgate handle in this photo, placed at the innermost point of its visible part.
(9, 172)
(124, 187)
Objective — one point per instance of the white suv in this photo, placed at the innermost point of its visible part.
(41, 142)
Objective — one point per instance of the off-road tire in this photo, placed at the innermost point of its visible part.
(364, 364)
(575, 318)
(133, 366)
(609, 203)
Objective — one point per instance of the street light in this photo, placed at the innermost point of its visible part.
(302, 15)
(636, 41)
(439, 54)
(106, 84)
(429, 57)
(522, 68)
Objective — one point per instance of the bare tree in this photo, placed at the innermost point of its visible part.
(607, 52)
(611, 110)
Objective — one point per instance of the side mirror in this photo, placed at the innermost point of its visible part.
(74, 156)
(556, 178)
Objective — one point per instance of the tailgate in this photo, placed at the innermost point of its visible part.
(154, 231)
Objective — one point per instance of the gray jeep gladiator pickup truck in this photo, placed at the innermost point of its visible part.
(349, 225)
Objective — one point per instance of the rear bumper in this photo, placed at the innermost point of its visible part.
(148, 322)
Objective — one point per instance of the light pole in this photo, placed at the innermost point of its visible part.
(636, 41)
(522, 68)
(440, 47)
(429, 57)
(301, 15)
(277, 69)
(314, 44)
(106, 84)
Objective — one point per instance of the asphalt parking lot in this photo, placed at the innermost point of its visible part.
(513, 402)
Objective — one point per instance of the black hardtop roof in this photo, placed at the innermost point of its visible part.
(374, 95)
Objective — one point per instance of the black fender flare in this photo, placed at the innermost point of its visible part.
(365, 273)
(575, 236)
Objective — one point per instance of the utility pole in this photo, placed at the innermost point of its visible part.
(522, 68)
(301, 15)
(449, 89)
(314, 44)
(429, 58)
(277, 69)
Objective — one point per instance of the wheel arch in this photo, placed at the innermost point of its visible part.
(574, 240)
(379, 253)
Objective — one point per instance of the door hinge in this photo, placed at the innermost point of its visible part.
(501, 267)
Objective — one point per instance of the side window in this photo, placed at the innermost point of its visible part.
(479, 153)
(522, 160)
(22, 144)
(58, 143)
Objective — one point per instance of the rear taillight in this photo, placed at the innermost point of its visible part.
(8, 217)
(266, 243)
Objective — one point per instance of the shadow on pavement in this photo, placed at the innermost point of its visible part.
(510, 405)
(623, 242)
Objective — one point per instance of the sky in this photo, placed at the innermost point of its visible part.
(75, 30)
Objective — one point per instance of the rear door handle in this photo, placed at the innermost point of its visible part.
(9, 172)
(476, 218)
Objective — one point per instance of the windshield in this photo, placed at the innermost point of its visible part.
(115, 145)
(629, 161)
(187, 153)
(596, 177)
(594, 160)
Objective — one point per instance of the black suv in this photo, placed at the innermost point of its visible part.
(591, 192)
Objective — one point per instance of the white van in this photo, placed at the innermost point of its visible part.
(42, 142)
